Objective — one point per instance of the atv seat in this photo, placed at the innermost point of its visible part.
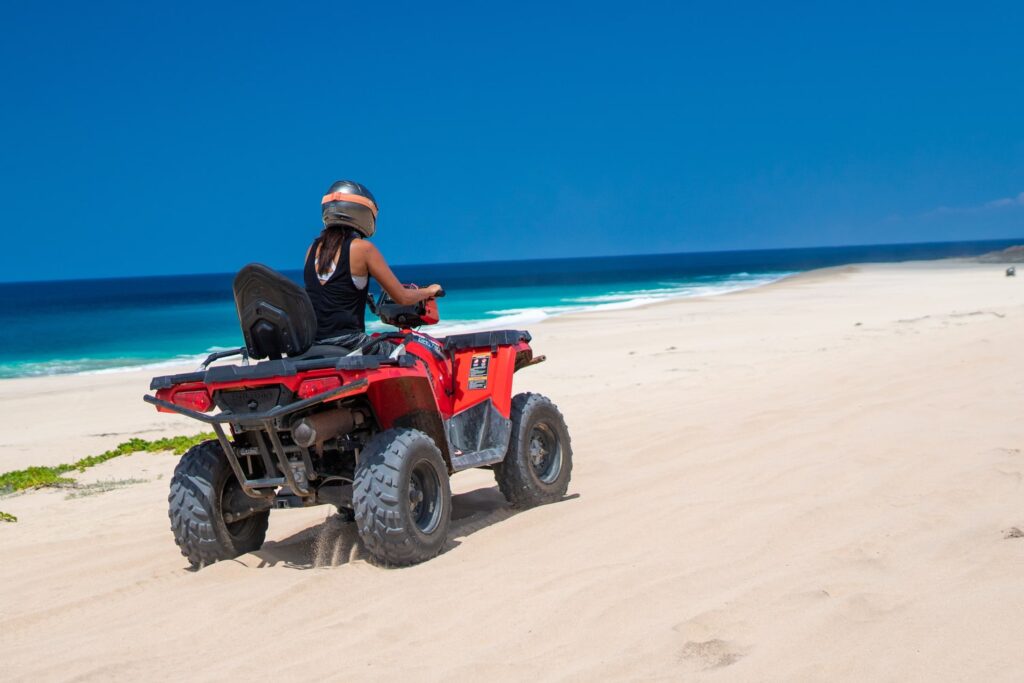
(276, 315)
(325, 351)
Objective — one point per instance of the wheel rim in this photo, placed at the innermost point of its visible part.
(545, 453)
(240, 529)
(425, 497)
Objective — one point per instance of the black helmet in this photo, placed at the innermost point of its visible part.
(350, 205)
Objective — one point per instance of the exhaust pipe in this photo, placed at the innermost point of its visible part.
(318, 428)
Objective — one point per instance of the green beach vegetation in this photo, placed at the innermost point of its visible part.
(36, 477)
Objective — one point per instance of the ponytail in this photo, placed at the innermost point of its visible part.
(331, 240)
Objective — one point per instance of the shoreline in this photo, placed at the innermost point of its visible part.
(162, 425)
(40, 388)
(616, 300)
(617, 295)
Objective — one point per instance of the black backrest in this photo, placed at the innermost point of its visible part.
(276, 315)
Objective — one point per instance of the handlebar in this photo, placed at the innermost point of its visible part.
(440, 293)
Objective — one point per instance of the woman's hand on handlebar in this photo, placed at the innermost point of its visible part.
(435, 291)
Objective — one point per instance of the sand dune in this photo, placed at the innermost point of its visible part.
(816, 480)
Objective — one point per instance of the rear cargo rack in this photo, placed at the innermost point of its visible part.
(285, 367)
(217, 355)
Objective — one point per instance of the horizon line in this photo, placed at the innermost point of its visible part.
(542, 260)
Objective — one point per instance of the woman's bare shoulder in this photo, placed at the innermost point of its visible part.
(363, 246)
(364, 250)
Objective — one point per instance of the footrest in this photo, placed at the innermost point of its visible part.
(488, 456)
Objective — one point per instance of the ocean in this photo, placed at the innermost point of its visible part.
(107, 325)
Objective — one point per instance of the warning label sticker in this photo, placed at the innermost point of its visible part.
(478, 370)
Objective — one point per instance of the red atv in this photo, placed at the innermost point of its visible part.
(375, 435)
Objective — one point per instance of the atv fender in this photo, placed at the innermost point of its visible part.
(407, 400)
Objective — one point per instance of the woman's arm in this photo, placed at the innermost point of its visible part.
(381, 272)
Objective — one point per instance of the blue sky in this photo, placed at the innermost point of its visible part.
(188, 137)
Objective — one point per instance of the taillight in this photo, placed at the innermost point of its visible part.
(196, 399)
(312, 387)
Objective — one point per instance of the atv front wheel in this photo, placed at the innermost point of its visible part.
(538, 463)
(202, 483)
(402, 497)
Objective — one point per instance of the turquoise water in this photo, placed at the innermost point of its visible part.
(107, 325)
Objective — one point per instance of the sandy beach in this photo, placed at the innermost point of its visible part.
(814, 480)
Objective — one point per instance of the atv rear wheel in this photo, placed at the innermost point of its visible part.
(202, 483)
(402, 497)
(538, 463)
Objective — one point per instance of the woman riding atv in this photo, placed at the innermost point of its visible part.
(341, 261)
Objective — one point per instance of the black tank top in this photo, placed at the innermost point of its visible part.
(340, 307)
